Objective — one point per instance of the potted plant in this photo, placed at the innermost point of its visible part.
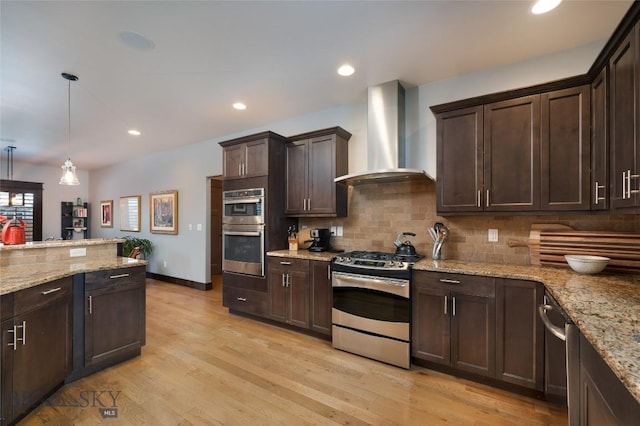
(130, 243)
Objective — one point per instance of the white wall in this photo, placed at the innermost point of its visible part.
(186, 169)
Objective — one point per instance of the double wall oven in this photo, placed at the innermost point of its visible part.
(371, 312)
(243, 231)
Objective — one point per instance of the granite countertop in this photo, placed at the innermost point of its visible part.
(605, 307)
(19, 277)
(60, 243)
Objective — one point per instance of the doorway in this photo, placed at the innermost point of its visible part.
(216, 227)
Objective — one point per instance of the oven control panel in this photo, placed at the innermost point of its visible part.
(367, 263)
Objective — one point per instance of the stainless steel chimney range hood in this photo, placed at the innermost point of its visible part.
(385, 139)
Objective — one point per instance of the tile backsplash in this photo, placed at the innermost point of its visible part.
(379, 212)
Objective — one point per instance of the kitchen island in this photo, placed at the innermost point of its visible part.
(80, 306)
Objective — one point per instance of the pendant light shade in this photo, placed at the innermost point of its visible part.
(69, 176)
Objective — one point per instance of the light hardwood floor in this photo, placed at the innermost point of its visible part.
(203, 366)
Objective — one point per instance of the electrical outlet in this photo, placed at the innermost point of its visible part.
(165, 263)
(77, 252)
(334, 231)
(190, 227)
(339, 231)
(493, 235)
(199, 227)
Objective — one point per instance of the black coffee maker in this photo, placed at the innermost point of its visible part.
(320, 239)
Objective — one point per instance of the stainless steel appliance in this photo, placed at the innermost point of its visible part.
(243, 207)
(243, 249)
(320, 239)
(371, 314)
(566, 331)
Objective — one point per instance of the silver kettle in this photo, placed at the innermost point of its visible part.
(404, 248)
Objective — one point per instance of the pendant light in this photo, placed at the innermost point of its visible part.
(68, 169)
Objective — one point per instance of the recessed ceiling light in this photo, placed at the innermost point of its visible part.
(136, 41)
(134, 132)
(346, 70)
(239, 106)
(544, 6)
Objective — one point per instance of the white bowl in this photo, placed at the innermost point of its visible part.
(587, 264)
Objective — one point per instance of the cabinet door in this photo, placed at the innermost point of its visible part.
(321, 297)
(6, 370)
(459, 163)
(599, 143)
(520, 333)
(114, 322)
(565, 149)
(43, 358)
(298, 298)
(233, 160)
(257, 158)
(296, 177)
(623, 86)
(431, 329)
(512, 154)
(322, 171)
(277, 293)
(473, 333)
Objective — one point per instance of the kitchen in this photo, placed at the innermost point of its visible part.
(468, 234)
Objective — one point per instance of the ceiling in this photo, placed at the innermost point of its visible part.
(280, 58)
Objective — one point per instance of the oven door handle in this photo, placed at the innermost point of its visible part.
(243, 233)
(385, 285)
(243, 201)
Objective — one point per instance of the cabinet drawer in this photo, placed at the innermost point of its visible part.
(249, 301)
(468, 284)
(118, 277)
(290, 263)
(35, 297)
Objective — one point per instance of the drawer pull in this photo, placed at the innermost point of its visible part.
(113, 277)
(241, 299)
(14, 332)
(448, 281)
(53, 290)
(285, 263)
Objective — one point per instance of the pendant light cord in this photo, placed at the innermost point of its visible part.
(69, 120)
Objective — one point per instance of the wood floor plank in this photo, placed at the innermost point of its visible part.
(203, 366)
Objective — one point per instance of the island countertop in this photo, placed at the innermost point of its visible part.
(19, 277)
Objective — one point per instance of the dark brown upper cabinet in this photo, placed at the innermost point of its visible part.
(565, 143)
(313, 161)
(512, 155)
(599, 143)
(624, 85)
(250, 156)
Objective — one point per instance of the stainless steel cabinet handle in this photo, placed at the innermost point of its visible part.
(487, 198)
(239, 169)
(446, 302)
(284, 280)
(329, 272)
(597, 194)
(479, 201)
(285, 263)
(24, 333)
(241, 299)
(113, 277)
(308, 203)
(90, 305)
(632, 191)
(53, 290)
(304, 204)
(624, 185)
(453, 306)
(14, 330)
(448, 281)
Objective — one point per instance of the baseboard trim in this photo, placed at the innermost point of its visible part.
(180, 281)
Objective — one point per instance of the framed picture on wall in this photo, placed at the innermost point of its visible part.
(106, 214)
(163, 212)
(130, 213)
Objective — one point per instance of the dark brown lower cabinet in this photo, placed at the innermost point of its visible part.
(289, 291)
(36, 346)
(520, 333)
(604, 400)
(114, 319)
(454, 321)
(321, 297)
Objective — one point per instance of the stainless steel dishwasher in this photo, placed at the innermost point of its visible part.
(560, 326)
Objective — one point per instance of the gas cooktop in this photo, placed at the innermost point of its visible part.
(376, 260)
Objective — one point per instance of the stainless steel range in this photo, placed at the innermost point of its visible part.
(371, 312)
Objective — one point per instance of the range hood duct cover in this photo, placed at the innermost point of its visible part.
(385, 139)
